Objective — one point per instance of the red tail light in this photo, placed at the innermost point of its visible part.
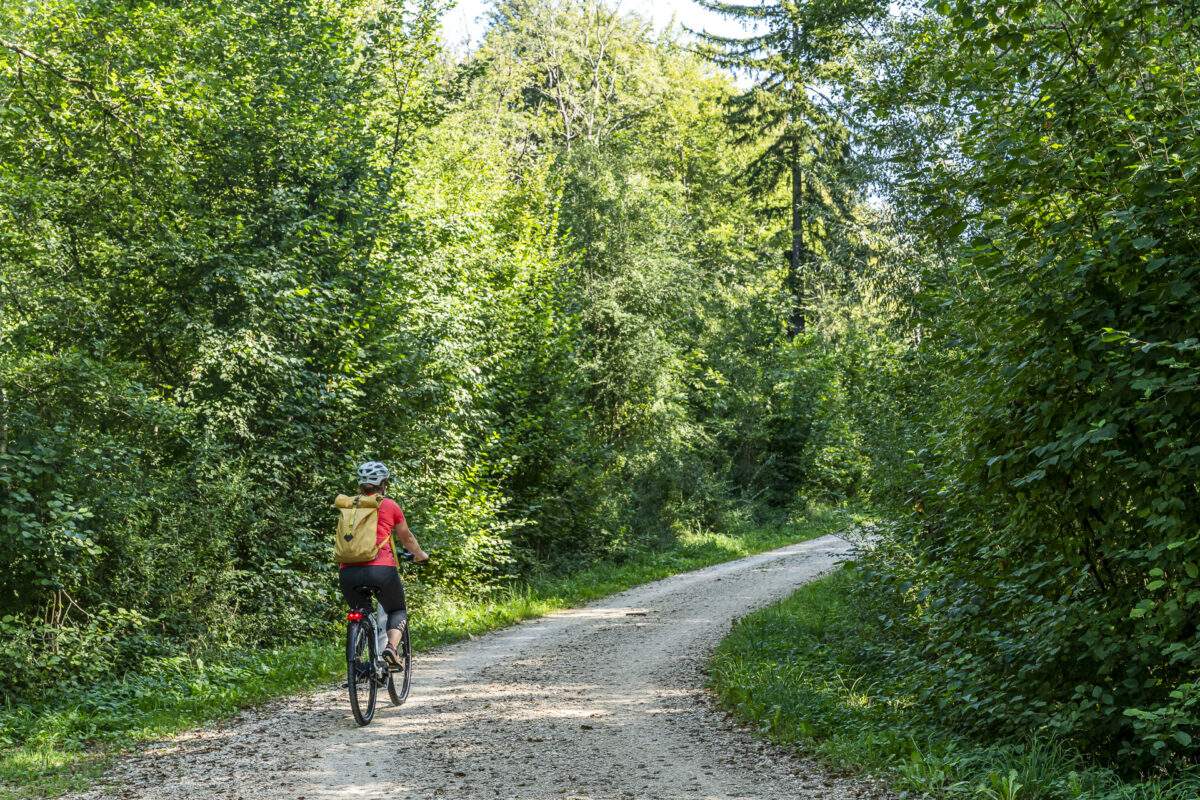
(354, 616)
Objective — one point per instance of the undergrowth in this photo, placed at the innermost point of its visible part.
(810, 672)
(49, 749)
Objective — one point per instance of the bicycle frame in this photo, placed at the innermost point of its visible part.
(380, 627)
(379, 619)
(374, 673)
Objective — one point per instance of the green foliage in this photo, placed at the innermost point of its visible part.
(246, 245)
(192, 349)
(818, 671)
(668, 296)
(36, 651)
(1044, 557)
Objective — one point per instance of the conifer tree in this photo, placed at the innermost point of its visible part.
(795, 52)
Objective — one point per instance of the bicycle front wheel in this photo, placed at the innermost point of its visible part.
(398, 681)
(360, 676)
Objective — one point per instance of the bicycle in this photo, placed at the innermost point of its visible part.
(366, 671)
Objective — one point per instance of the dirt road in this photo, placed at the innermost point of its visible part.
(600, 703)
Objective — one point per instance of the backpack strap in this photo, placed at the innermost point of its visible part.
(354, 516)
(395, 555)
(392, 540)
(378, 508)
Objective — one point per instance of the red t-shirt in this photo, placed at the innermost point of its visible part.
(389, 516)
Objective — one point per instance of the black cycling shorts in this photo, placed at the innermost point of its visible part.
(390, 591)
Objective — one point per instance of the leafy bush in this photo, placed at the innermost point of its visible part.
(37, 652)
(824, 671)
(1043, 560)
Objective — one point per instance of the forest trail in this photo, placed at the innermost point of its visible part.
(602, 702)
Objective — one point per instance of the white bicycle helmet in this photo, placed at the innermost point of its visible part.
(373, 473)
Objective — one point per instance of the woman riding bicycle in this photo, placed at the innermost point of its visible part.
(381, 572)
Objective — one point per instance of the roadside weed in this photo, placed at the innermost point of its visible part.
(926, 773)
(814, 672)
(1002, 788)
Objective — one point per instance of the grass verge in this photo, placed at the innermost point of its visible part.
(804, 672)
(48, 750)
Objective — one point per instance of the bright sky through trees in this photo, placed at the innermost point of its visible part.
(465, 23)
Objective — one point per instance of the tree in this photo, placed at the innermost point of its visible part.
(796, 55)
(592, 68)
(188, 210)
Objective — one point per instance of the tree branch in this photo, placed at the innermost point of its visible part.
(93, 92)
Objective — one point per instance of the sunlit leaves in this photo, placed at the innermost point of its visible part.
(1062, 438)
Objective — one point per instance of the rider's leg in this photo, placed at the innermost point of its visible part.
(397, 621)
(394, 637)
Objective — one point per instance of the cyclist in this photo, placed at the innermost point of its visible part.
(382, 572)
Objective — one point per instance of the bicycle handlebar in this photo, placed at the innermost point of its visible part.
(408, 556)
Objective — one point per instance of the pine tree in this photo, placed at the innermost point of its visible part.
(795, 55)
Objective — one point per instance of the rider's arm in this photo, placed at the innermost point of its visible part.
(410, 542)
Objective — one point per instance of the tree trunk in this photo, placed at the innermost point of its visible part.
(3, 428)
(3, 423)
(796, 275)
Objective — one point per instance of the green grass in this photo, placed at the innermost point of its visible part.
(48, 751)
(807, 672)
(62, 747)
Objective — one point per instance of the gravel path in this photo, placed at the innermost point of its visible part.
(599, 703)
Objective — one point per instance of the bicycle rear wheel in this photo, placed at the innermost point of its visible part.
(398, 681)
(360, 660)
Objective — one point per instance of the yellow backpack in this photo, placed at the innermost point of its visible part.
(356, 531)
